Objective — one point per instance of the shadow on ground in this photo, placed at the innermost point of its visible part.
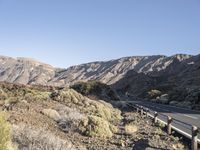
(143, 145)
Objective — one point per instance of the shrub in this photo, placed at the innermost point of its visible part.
(3, 95)
(108, 113)
(102, 109)
(160, 124)
(158, 131)
(4, 132)
(12, 100)
(67, 113)
(97, 127)
(36, 95)
(96, 89)
(130, 128)
(154, 93)
(28, 138)
(87, 88)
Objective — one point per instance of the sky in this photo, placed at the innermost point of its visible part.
(70, 32)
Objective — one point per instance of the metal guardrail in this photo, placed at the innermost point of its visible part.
(172, 123)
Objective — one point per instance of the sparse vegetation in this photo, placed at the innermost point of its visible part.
(72, 98)
(5, 136)
(50, 119)
(98, 127)
(3, 94)
(37, 95)
(130, 128)
(96, 89)
(154, 93)
(160, 124)
(28, 138)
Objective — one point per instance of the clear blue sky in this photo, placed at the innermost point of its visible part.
(69, 32)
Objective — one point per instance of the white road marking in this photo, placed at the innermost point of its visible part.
(190, 116)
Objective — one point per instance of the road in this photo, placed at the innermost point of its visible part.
(189, 117)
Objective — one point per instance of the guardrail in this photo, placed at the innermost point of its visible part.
(171, 123)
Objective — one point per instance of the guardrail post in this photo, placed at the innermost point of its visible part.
(142, 112)
(155, 117)
(137, 110)
(194, 138)
(169, 126)
(147, 113)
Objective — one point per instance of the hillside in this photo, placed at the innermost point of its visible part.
(50, 118)
(179, 82)
(110, 72)
(28, 71)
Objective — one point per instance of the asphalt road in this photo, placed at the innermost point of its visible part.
(186, 117)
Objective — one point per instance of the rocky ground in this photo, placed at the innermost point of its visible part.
(45, 119)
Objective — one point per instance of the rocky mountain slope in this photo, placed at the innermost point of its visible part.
(111, 71)
(28, 71)
(25, 71)
(179, 81)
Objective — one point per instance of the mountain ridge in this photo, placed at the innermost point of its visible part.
(30, 71)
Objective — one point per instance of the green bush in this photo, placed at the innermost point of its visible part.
(87, 88)
(4, 132)
(97, 89)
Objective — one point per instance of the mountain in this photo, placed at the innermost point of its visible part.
(25, 71)
(148, 77)
(29, 71)
(111, 71)
(179, 81)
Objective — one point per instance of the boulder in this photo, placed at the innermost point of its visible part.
(164, 98)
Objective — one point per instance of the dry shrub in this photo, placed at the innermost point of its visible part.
(98, 127)
(4, 132)
(154, 93)
(67, 113)
(74, 99)
(130, 128)
(3, 95)
(69, 118)
(108, 113)
(28, 138)
(37, 95)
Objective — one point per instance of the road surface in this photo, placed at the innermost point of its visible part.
(186, 117)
